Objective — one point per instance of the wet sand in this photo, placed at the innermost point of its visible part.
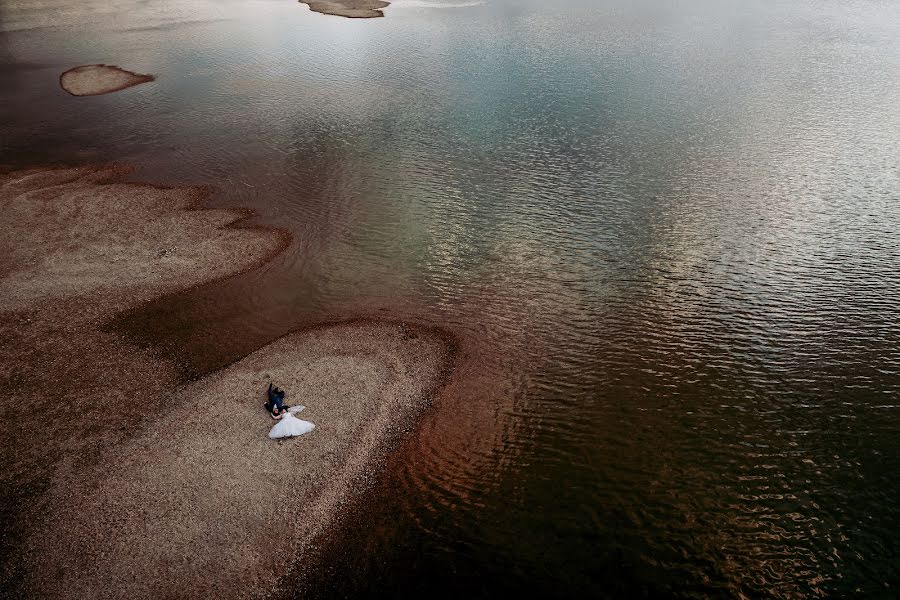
(352, 9)
(119, 480)
(94, 80)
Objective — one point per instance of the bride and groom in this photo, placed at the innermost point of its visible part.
(288, 425)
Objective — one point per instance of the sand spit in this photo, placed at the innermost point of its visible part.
(202, 504)
(116, 482)
(93, 80)
(352, 9)
(71, 234)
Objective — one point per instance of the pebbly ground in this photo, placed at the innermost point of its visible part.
(118, 479)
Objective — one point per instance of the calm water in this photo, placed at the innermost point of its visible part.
(666, 234)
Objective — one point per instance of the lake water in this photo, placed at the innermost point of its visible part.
(666, 234)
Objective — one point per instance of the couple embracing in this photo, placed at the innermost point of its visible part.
(288, 425)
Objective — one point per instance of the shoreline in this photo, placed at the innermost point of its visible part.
(119, 413)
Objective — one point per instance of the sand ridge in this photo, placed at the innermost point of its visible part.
(203, 491)
(352, 9)
(119, 481)
(94, 80)
(79, 233)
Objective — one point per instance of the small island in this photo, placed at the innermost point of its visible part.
(352, 9)
(94, 80)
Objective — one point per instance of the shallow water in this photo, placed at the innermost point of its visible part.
(666, 235)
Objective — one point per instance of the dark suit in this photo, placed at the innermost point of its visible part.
(275, 403)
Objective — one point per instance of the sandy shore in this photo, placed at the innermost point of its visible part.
(120, 481)
(93, 80)
(352, 9)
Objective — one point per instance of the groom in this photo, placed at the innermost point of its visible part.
(275, 402)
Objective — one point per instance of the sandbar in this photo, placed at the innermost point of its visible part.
(93, 80)
(118, 479)
(352, 9)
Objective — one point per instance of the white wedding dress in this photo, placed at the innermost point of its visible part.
(289, 425)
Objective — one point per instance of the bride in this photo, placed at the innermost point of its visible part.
(288, 425)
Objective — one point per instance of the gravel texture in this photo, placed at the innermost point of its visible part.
(93, 80)
(117, 479)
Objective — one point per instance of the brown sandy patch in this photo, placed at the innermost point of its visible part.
(113, 483)
(93, 80)
(75, 250)
(352, 9)
(202, 504)
(71, 234)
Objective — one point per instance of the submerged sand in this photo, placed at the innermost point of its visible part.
(352, 9)
(120, 481)
(93, 80)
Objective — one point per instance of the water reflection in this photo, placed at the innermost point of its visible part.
(665, 235)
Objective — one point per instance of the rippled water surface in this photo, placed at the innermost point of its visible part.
(667, 236)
